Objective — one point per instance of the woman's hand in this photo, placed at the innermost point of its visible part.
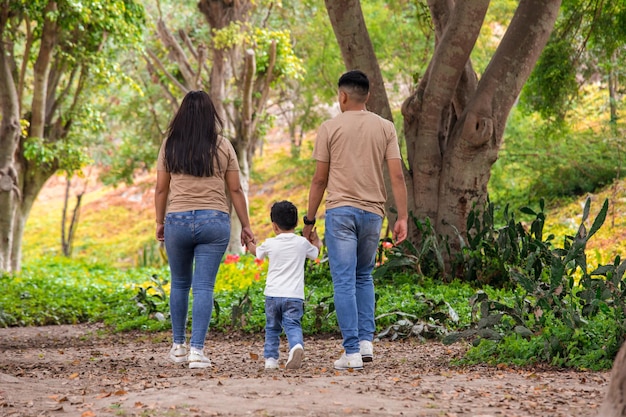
(160, 235)
(247, 236)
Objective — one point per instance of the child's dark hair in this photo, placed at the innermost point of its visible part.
(284, 214)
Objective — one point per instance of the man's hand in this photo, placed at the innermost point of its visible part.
(400, 231)
(307, 232)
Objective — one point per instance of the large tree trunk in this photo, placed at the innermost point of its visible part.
(10, 194)
(20, 185)
(453, 122)
(475, 140)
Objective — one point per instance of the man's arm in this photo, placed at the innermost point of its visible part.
(398, 188)
(316, 193)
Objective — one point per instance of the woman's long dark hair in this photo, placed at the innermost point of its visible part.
(191, 146)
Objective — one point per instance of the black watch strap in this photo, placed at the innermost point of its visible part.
(308, 222)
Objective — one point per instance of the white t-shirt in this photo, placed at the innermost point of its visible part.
(285, 274)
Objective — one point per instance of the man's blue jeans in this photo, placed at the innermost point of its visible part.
(195, 242)
(352, 237)
(282, 313)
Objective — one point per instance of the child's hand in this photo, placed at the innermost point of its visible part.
(251, 246)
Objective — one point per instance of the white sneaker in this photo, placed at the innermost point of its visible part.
(351, 361)
(271, 363)
(295, 357)
(198, 360)
(178, 353)
(367, 350)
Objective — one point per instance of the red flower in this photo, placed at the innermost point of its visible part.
(387, 245)
(231, 259)
(258, 262)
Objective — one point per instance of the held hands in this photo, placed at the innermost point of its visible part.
(247, 236)
(314, 238)
(249, 241)
(307, 232)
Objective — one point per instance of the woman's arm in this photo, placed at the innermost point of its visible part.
(161, 192)
(241, 207)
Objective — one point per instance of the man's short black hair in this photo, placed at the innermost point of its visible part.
(356, 81)
(284, 214)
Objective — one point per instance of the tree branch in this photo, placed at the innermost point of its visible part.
(267, 81)
(201, 57)
(451, 55)
(27, 47)
(246, 106)
(187, 41)
(176, 51)
(153, 73)
(160, 65)
(42, 71)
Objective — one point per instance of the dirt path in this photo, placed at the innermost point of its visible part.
(78, 371)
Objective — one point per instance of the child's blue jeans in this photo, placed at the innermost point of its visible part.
(282, 313)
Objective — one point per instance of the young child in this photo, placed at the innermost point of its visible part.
(284, 288)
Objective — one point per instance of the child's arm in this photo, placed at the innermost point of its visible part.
(251, 247)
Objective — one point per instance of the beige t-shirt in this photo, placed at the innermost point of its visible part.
(201, 193)
(356, 144)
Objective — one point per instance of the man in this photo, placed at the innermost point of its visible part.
(350, 151)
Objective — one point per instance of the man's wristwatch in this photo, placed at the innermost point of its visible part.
(308, 222)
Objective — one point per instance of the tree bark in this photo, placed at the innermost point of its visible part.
(9, 140)
(476, 139)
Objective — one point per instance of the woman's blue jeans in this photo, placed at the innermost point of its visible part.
(195, 242)
(352, 237)
(282, 313)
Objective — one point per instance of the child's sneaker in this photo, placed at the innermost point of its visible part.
(178, 353)
(367, 350)
(198, 360)
(271, 363)
(349, 361)
(295, 357)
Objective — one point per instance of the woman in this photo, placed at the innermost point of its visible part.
(194, 168)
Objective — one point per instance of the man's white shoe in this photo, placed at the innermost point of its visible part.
(295, 357)
(178, 353)
(271, 363)
(349, 361)
(198, 360)
(367, 350)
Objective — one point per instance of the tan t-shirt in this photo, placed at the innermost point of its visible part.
(356, 144)
(201, 193)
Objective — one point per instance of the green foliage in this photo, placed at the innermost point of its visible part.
(61, 291)
(552, 82)
(554, 162)
(557, 303)
(592, 347)
(153, 299)
(71, 156)
(427, 259)
(288, 65)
